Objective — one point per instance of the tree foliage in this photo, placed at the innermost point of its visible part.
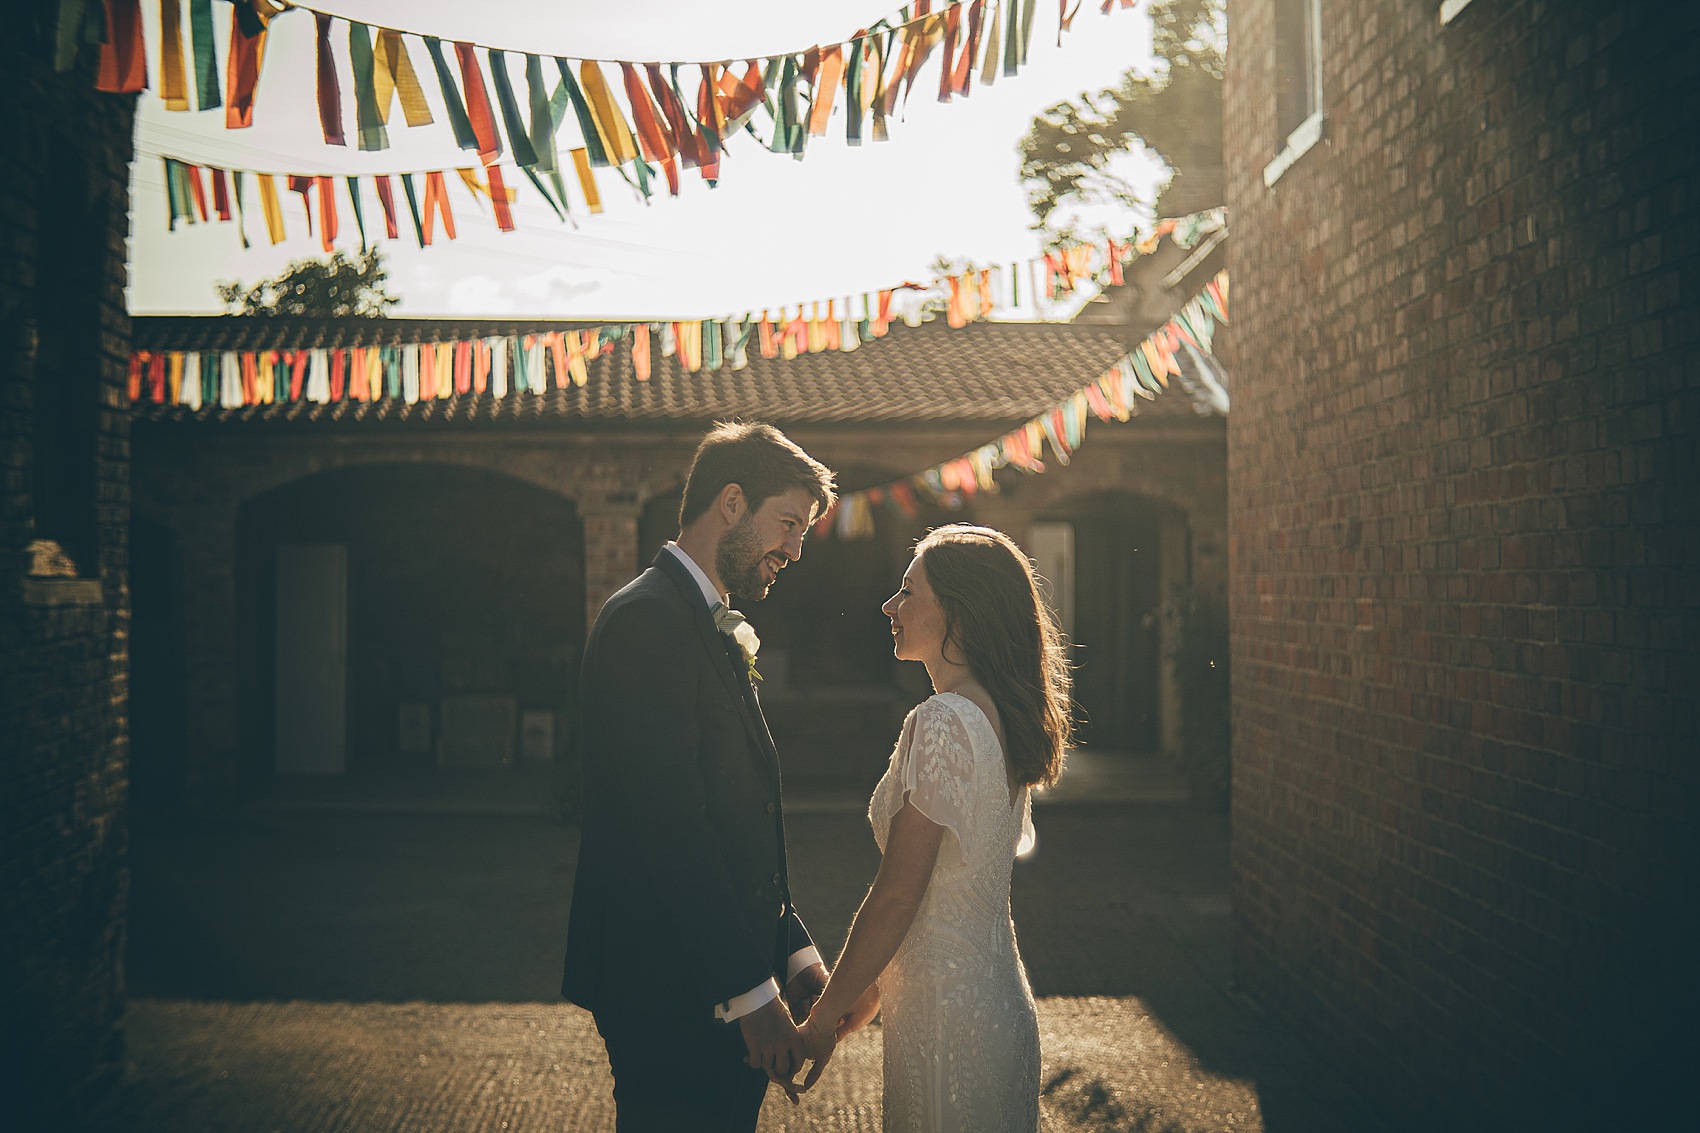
(338, 287)
(1076, 156)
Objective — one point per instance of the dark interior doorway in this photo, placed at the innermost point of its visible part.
(462, 588)
(157, 693)
(1121, 572)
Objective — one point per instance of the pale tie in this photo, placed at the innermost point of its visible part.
(726, 619)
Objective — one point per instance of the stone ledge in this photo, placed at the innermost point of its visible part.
(62, 592)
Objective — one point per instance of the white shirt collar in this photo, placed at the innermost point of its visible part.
(707, 587)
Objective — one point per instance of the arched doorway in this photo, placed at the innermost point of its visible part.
(1117, 557)
(427, 617)
(157, 691)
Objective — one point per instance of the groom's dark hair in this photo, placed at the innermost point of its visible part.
(759, 459)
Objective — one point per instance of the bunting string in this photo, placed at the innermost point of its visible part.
(649, 120)
(810, 327)
(1142, 374)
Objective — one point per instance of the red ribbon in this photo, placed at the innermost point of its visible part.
(221, 194)
(327, 211)
(197, 191)
(386, 197)
(477, 108)
(463, 367)
(303, 184)
(947, 80)
(499, 199)
(657, 146)
(330, 94)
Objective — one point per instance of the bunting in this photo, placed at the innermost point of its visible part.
(555, 359)
(1114, 396)
(641, 118)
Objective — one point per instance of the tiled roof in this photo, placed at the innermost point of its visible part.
(984, 372)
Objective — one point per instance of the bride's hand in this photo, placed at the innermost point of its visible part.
(819, 1039)
(861, 1013)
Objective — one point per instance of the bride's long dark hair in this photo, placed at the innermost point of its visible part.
(997, 621)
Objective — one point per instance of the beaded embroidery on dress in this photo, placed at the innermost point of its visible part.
(961, 1035)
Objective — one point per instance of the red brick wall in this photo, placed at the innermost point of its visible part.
(1463, 552)
(64, 463)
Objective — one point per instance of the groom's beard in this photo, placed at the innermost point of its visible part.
(738, 561)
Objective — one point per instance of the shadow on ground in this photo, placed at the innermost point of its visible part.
(305, 926)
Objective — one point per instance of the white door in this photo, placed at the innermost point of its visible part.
(312, 659)
(1052, 546)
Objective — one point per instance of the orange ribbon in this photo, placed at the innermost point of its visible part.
(247, 53)
(123, 53)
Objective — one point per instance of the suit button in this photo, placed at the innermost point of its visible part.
(771, 808)
(776, 879)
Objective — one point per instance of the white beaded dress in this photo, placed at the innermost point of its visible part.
(961, 1035)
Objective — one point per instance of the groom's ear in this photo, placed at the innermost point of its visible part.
(732, 503)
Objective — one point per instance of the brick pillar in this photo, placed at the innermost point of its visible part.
(610, 553)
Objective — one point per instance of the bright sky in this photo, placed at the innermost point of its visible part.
(775, 232)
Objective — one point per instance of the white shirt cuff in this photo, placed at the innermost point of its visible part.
(767, 991)
(739, 1006)
(800, 959)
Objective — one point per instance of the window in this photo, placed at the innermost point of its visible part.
(1449, 10)
(1298, 82)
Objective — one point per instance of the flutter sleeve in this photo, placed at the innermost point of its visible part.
(936, 771)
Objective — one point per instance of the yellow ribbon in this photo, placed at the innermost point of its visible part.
(269, 205)
(479, 189)
(173, 84)
(394, 73)
(581, 163)
(610, 124)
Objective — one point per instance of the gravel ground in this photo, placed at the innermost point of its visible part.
(306, 973)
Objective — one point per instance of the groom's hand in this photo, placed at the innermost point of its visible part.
(803, 990)
(773, 1044)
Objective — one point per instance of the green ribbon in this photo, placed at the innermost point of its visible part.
(373, 136)
(853, 95)
(173, 192)
(464, 137)
(359, 218)
(532, 173)
(79, 23)
(543, 118)
(1012, 40)
(789, 133)
(413, 208)
(586, 121)
(1027, 28)
(206, 55)
(711, 357)
(236, 192)
(518, 141)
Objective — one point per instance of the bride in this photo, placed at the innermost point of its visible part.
(933, 948)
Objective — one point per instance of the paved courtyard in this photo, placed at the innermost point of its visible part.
(364, 971)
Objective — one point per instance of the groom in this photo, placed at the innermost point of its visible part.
(683, 943)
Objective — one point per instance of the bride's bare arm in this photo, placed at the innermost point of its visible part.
(911, 849)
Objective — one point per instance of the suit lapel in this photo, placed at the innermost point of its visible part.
(725, 657)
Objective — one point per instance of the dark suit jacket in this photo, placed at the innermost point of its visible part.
(681, 900)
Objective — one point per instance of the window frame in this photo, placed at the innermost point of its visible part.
(1308, 132)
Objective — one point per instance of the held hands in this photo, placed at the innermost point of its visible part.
(785, 1033)
(774, 1044)
(820, 1033)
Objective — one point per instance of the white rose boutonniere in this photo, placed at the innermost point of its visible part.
(745, 636)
